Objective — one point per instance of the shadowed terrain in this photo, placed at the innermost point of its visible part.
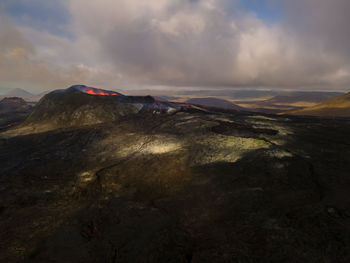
(215, 103)
(12, 111)
(180, 185)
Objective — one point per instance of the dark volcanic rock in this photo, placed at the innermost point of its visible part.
(13, 104)
(191, 186)
(240, 129)
(13, 110)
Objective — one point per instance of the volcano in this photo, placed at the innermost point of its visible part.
(80, 105)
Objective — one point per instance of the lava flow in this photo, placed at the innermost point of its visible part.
(93, 91)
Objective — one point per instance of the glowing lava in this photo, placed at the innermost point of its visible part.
(93, 91)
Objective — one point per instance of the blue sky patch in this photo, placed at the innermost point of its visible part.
(270, 11)
(43, 15)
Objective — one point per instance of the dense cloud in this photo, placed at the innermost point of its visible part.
(201, 43)
(323, 23)
(322, 26)
(40, 66)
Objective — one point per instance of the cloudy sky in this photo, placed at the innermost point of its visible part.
(120, 44)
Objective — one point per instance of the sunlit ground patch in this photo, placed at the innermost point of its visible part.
(225, 149)
(282, 130)
(25, 130)
(86, 177)
(217, 118)
(280, 153)
(260, 117)
(161, 147)
(124, 144)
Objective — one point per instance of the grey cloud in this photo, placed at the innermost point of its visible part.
(184, 43)
(205, 43)
(322, 25)
(186, 47)
(20, 69)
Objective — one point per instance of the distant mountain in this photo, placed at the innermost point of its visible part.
(21, 93)
(338, 107)
(215, 103)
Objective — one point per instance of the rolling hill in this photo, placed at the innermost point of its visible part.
(338, 107)
(304, 96)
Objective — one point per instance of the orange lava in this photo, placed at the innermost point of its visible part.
(100, 92)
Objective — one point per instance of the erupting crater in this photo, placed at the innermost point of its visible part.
(94, 91)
